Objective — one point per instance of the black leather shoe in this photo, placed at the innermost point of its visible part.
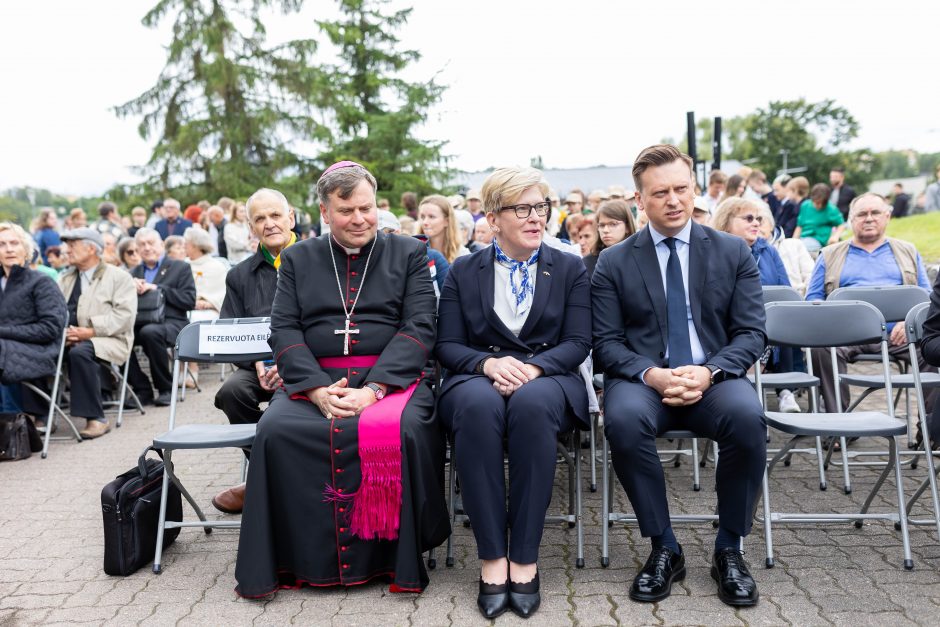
(493, 599)
(524, 598)
(654, 581)
(735, 584)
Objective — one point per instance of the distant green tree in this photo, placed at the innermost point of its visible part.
(812, 133)
(374, 113)
(227, 113)
(895, 164)
(927, 163)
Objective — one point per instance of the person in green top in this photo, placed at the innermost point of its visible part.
(820, 223)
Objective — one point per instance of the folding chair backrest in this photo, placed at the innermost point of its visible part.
(188, 349)
(781, 294)
(914, 322)
(824, 324)
(893, 301)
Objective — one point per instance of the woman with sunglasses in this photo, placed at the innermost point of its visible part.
(514, 323)
(743, 217)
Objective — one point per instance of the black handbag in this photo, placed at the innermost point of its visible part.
(151, 308)
(130, 506)
(18, 437)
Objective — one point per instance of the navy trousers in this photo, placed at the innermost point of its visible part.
(528, 423)
(728, 413)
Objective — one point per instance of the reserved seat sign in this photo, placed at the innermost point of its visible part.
(234, 339)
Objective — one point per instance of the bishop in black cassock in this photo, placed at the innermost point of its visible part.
(293, 533)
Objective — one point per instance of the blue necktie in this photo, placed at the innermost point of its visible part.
(677, 317)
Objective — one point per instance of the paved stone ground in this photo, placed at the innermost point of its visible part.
(51, 551)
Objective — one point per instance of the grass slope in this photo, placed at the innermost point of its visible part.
(923, 231)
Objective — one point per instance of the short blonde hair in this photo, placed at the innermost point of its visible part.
(729, 208)
(21, 235)
(505, 185)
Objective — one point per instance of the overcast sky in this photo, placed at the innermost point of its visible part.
(579, 83)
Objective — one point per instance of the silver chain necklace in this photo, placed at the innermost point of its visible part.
(346, 332)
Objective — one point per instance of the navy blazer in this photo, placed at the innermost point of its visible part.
(629, 303)
(556, 336)
(163, 227)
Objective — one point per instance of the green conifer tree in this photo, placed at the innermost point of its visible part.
(374, 112)
(228, 113)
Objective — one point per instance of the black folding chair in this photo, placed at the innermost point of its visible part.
(199, 435)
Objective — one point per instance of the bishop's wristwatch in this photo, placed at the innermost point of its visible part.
(377, 390)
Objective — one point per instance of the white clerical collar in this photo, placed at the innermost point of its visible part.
(685, 235)
(348, 251)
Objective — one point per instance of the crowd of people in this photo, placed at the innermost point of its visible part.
(511, 292)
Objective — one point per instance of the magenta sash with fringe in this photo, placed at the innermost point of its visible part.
(376, 506)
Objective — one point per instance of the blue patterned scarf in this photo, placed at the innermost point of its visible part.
(522, 294)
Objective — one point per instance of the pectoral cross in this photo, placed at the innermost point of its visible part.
(345, 333)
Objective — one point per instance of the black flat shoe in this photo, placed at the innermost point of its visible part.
(735, 585)
(524, 598)
(654, 581)
(493, 599)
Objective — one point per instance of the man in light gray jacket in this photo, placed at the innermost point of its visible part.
(102, 306)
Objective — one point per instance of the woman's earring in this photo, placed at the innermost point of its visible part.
(495, 229)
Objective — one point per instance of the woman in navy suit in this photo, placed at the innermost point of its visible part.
(514, 324)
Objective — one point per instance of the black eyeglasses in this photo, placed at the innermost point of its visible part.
(524, 211)
(751, 218)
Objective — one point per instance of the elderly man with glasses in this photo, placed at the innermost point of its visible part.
(102, 305)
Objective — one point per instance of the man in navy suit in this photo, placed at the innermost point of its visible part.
(172, 223)
(678, 320)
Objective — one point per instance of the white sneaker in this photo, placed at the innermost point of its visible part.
(786, 403)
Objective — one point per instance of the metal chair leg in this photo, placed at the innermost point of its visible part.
(452, 503)
(768, 531)
(605, 505)
(593, 452)
(161, 520)
(579, 518)
(902, 511)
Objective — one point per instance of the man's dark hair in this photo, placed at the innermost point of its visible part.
(343, 181)
(157, 204)
(106, 208)
(838, 169)
(657, 155)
